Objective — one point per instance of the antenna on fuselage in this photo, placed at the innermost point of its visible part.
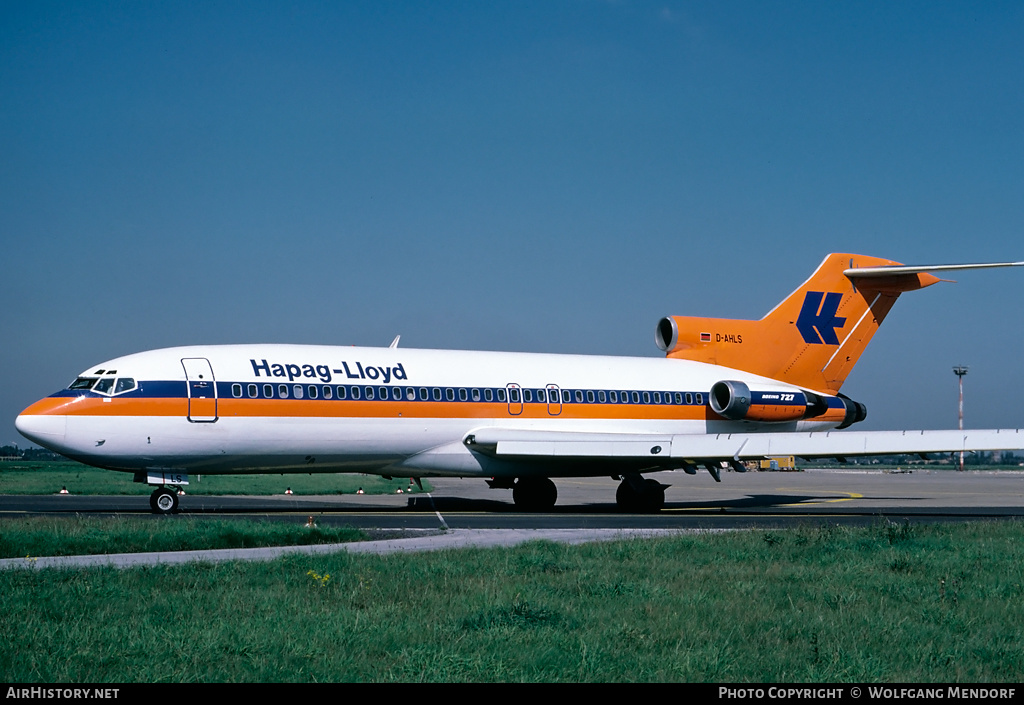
(394, 343)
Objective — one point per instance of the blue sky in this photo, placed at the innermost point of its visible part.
(546, 176)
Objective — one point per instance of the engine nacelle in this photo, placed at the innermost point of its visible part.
(855, 411)
(733, 400)
(730, 399)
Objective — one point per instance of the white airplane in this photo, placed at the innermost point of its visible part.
(727, 391)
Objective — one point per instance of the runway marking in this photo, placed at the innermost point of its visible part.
(850, 495)
(439, 517)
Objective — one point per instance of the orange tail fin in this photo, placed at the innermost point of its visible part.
(814, 337)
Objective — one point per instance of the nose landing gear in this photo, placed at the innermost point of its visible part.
(163, 500)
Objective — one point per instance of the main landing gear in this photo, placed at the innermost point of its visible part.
(534, 494)
(164, 500)
(635, 494)
(531, 494)
(640, 496)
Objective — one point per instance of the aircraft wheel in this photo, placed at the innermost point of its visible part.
(534, 494)
(163, 501)
(627, 498)
(653, 496)
(648, 500)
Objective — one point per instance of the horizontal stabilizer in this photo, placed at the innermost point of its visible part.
(888, 271)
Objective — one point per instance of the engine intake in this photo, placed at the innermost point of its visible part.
(730, 399)
(733, 400)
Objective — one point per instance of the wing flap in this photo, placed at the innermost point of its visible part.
(737, 446)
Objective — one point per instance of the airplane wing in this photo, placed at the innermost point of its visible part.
(662, 449)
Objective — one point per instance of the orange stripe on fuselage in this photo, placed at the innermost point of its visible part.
(452, 410)
(322, 408)
(109, 406)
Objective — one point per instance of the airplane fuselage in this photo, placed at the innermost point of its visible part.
(293, 408)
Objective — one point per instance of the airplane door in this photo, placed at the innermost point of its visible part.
(554, 400)
(515, 399)
(202, 390)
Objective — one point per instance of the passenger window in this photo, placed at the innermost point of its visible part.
(700, 399)
(328, 392)
(613, 396)
(636, 397)
(311, 391)
(449, 394)
(566, 396)
(590, 396)
(463, 395)
(501, 394)
(236, 390)
(298, 391)
(410, 394)
(488, 395)
(368, 393)
(579, 396)
(601, 397)
(383, 391)
(657, 397)
(437, 394)
(282, 391)
(541, 396)
(476, 395)
(254, 391)
(647, 397)
(341, 392)
(423, 394)
(268, 391)
(355, 393)
(527, 395)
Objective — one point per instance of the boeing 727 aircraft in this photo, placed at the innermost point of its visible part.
(727, 391)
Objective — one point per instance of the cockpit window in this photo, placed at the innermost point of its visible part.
(106, 385)
(124, 384)
(83, 383)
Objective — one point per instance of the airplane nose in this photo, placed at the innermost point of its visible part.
(42, 429)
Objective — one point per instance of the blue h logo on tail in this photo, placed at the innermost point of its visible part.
(817, 323)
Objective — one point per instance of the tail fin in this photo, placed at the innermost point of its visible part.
(816, 335)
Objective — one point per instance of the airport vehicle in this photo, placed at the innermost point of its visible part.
(727, 391)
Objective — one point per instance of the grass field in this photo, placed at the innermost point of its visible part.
(48, 477)
(84, 535)
(892, 603)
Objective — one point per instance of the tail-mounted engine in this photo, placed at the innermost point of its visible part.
(855, 411)
(733, 400)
